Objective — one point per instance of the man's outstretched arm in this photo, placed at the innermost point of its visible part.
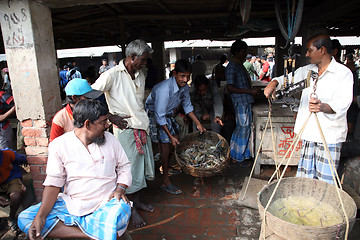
(48, 201)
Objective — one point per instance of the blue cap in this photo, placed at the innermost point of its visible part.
(81, 87)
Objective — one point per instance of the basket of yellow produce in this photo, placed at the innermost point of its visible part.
(304, 208)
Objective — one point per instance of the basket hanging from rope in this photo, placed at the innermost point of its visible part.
(321, 194)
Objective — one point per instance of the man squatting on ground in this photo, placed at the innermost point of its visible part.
(334, 95)
(12, 190)
(160, 104)
(91, 165)
(124, 87)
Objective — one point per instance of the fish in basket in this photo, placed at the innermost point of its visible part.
(203, 155)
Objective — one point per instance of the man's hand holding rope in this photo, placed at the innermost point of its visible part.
(315, 105)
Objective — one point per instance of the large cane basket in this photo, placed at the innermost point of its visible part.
(196, 137)
(308, 188)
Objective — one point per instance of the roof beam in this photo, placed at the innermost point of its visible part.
(143, 17)
(118, 8)
(338, 9)
(108, 9)
(164, 7)
(72, 3)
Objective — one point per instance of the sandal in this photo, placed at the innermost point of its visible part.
(12, 224)
(171, 189)
(4, 202)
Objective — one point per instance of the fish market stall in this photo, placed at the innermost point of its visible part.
(283, 122)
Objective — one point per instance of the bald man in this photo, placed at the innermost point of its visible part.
(330, 102)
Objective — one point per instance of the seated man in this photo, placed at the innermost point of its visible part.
(91, 165)
(207, 102)
(11, 188)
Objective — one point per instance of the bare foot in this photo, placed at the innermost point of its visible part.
(137, 220)
(4, 202)
(145, 207)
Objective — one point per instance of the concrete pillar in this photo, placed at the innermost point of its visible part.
(305, 33)
(279, 54)
(174, 54)
(110, 59)
(30, 52)
(158, 58)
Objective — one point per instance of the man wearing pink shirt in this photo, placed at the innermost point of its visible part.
(92, 167)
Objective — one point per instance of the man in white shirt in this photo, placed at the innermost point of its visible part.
(92, 167)
(124, 88)
(332, 98)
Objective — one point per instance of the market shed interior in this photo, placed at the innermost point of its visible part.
(33, 29)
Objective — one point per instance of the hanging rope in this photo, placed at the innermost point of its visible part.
(293, 21)
(258, 151)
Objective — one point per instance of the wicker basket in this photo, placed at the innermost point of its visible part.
(304, 187)
(194, 137)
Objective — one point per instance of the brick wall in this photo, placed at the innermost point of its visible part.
(36, 140)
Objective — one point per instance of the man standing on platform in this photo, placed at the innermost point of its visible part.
(329, 96)
(124, 87)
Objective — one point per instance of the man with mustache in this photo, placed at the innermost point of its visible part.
(94, 172)
(160, 104)
(329, 96)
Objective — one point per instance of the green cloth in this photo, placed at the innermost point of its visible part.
(249, 68)
(142, 165)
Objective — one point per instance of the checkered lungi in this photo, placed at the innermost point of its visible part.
(106, 222)
(157, 133)
(239, 144)
(314, 161)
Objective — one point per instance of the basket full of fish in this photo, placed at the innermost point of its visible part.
(203, 155)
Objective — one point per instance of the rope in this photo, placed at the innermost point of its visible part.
(275, 151)
(295, 142)
(282, 175)
(258, 152)
(257, 155)
(332, 168)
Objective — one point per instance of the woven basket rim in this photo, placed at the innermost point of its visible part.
(202, 172)
(299, 228)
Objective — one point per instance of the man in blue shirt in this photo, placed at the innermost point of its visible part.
(239, 86)
(72, 73)
(63, 81)
(62, 74)
(164, 98)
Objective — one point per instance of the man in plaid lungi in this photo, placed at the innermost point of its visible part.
(92, 167)
(239, 85)
(329, 96)
(160, 104)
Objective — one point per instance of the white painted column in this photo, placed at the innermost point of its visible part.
(174, 54)
(30, 52)
(29, 45)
